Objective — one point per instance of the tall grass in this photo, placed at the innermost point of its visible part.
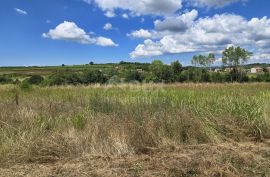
(56, 122)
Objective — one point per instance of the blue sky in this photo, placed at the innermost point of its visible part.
(52, 32)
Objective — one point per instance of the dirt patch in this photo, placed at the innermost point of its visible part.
(228, 159)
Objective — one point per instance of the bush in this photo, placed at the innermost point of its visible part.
(93, 76)
(5, 80)
(218, 77)
(114, 80)
(134, 76)
(63, 78)
(263, 77)
(36, 79)
(25, 86)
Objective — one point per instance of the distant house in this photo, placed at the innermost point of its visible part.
(217, 70)
(256, 70)
(228, 69)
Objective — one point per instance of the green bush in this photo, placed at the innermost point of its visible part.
(5, 80)
(35, 79)
(25, 86)
(93, 76)
(134, 76)
(218, 77)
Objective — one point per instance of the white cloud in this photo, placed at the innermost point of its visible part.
(178, 24)
(149, 48)
(107, 26)
(69, 31)
(102, 41)
(209, 34)
(260, 58)
(20, 11)
(140, 34)
(110, 14)
(125, 16)
(140, 7)
(212, 3)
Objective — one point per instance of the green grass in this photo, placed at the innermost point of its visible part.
(57, 122)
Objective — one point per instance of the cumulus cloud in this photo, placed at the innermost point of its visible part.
(149, 48)
(209, 34)
(20, 11)
(69, 31)
(140, 34)
(103, 41)
(177, 24)
(212, 3)
(107, 26)
(139, 7)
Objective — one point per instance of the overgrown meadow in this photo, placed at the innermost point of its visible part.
(44, 124)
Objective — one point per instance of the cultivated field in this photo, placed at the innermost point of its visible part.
(135, 130)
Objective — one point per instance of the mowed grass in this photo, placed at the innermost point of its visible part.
(66, 122)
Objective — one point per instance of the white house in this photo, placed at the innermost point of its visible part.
(217, 70)
(256, 70)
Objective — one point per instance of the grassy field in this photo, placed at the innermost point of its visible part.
(136, 130)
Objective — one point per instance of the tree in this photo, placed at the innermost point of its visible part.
(161, 72)
(198, 74)
(91, 63)
(203, 61)
(235, 57)
(176, 67)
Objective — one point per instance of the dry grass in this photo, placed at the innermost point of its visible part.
(225, 159)
(50, 125)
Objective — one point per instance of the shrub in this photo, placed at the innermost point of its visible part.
(62, 78)
(93, 76)
(35, 79)
(5, 80)
(114, 80)
(217, 77)
(134, 76)
(25, 86)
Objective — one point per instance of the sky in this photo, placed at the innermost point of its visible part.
(55, 32)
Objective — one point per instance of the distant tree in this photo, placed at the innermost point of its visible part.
(161, 72)
(235, 57)
(210, 59)
(265, 70)
(63, 65)
(156, 66)
(176, 67)
(203, 61)
(122, 62)
(91, 63)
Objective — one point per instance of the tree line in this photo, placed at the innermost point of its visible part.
(156, 72)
